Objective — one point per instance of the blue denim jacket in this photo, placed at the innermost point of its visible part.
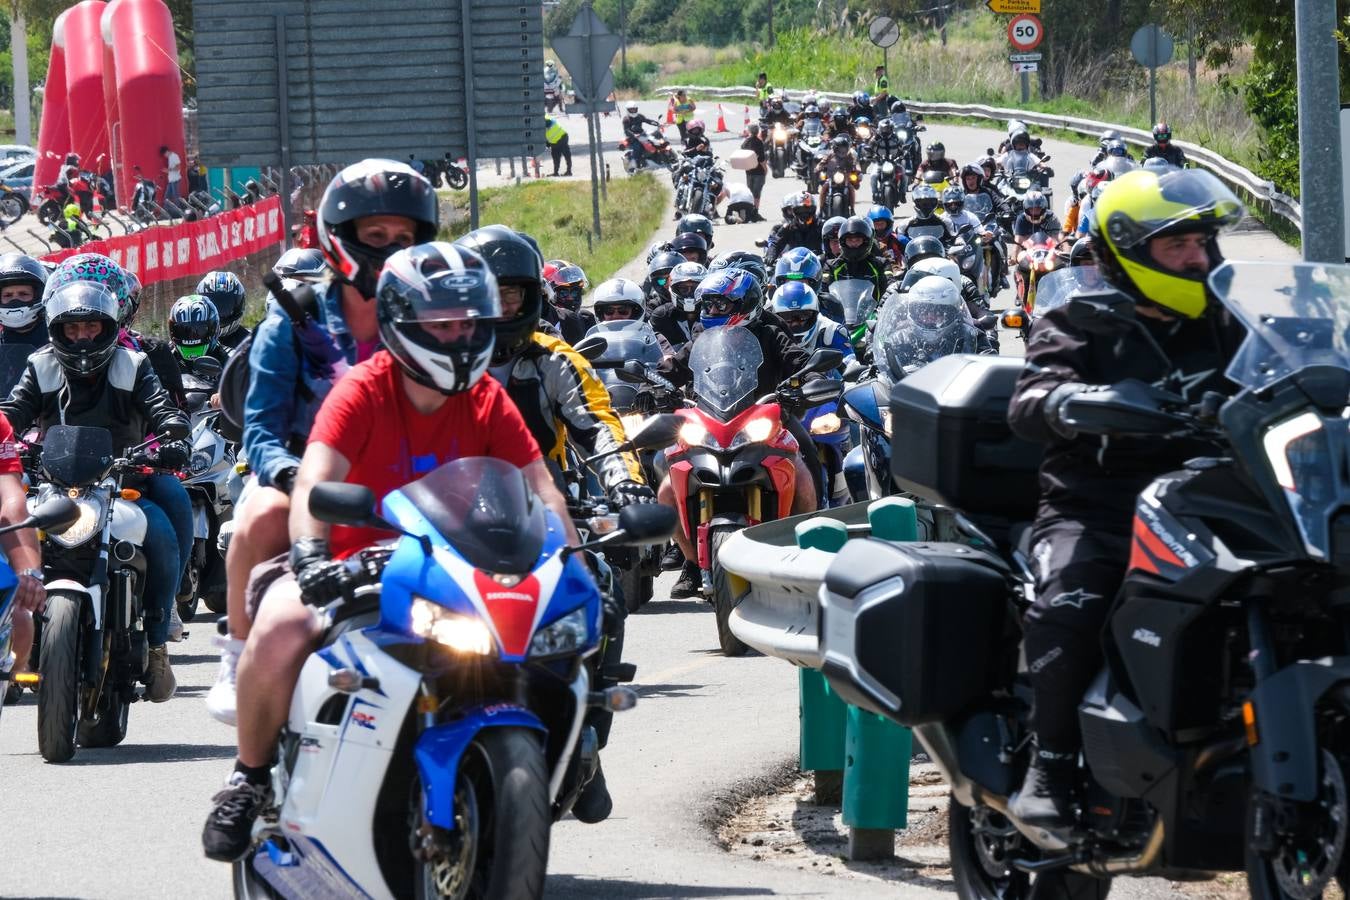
(278, 414)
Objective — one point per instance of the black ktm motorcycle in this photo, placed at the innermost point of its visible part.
(1217, 735)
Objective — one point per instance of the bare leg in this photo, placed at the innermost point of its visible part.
(23, 639)
(804, 500)
(665, 495)
(261, 532)
(284, 633)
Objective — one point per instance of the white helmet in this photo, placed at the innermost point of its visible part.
(631, 106)
(933, 265)
(934, 308)
(684, 279)
(618, 294)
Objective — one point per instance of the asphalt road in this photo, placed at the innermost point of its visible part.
(125, 822)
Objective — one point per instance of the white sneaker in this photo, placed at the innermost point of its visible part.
(220, 701)
(175, 624)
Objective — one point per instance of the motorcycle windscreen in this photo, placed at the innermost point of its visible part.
(625, 341)
(980, 203)
(725, 362)
(906, 339)
(937, 231)
(483, 507)
(75, 455)
(811, 127)
(1055, 288)
(855, 295)
(1296, 315)
(13, 360)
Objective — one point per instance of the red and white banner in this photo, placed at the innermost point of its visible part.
(188, 249)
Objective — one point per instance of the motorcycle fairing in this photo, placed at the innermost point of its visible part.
(1286, 760)
(306, 870)
(1159, 544)
(439, 749)
(725, 432)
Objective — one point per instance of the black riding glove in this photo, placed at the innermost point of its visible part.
(321, 579)
(626, 492)
(173, 455)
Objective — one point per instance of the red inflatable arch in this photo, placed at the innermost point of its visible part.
(85, 106)
(149, 89)
(110, 100)
(54, 132)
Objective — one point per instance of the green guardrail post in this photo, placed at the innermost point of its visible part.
(822, 713)
(877, 751)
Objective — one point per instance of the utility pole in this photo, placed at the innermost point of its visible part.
(1319, 137)
(23, 97)
(770, 23)
(623, 38)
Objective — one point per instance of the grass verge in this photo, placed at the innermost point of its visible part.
(557, 214)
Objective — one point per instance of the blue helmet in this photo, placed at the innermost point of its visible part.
(798, 264)
(880, 213)
(799, 308)
(727, 293)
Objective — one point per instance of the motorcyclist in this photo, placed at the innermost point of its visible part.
(859, 256)
(798, 264)
(861, 107)
(1103, 142)
(1163, 148)
(930, 248)
(890, 244)
(22, 279)
(226, 291)
(552, 77)
(733, 298)
(799, 227)
(841, 159)
(370, 210)
(746, 261)
(632, 129)
(384, 424)
(983, 202)
(656, 288)
(696, 139)
(938, 323)
(1035, 218)
(677, 320)
(699, 224)
(24, 555)
(962, 219)
(936, 160)
(1157, 249)
(568, 287)
(829, 240)
(692, 246)
(621, 300)
(194, 329)
(840, 123)
(82, 377)
(885, 146)
(777, 113)
(797, 306)
(926, 219)
(1019, 160)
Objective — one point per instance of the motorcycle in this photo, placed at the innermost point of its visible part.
(888, 183)
(1052, 291)
(655, 149)
(732, 464)
(842, 189)
(1042, 256)
(811, 149)
(13, 205)
(782, 148)
(938, 181)
(555, 96)
(91, 650)
(1213, 734)
(211, 468)
(969, 253)
(699, 185)
(144, 210)
(441, 728)
(911, 153)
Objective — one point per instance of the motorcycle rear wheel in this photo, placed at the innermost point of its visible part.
(12, 208)
(49, 212)
(723, 599)
(983, 844)
(502, 811)
(457, 178)
(635, 587)
(59, 689)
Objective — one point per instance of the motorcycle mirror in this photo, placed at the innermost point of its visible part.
(646, 523)
(631, 372)
(854, 370)
(54, 515)
(657, 432)
(822, 360)
(206, 367)
(592, 346)
(338, 503)
(822, 390)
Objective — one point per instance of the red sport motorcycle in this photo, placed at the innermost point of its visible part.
(733, 464)
(654, 149)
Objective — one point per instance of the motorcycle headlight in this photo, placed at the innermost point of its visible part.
(903, 135)
(826, 424)
(1298, 454)
(838, 177)
(567, 635)
(694, 434)
(632, 422)
(755, 431)
(86, 526)
(200, 462)
(463, 634)
(887, 167)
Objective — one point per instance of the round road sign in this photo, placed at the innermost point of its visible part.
(883, 31)
(1025, 32)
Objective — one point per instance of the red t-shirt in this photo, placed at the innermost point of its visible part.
(10, 464)
(369, 419)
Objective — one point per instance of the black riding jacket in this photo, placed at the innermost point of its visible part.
(1094, 478)
(784, 237)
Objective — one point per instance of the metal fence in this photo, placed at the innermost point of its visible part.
(1261, 192)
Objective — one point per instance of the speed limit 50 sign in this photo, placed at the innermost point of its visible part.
(1025, 32)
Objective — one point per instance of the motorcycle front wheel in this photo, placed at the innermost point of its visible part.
(983, 844)
(111, 727)
(499, 847)
(49, 212)
(59, 689)
(1304, 864)
(457, 178)
(12, 208)
(723, 596)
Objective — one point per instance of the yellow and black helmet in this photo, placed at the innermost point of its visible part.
(1145, 204)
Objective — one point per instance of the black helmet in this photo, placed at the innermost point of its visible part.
(372, 187)
(856, 226)
(829, 229)
(658, 273)
(923, 247)
(1081, 252)
(886, 128)
(437, 284)
(512, 259)
(691, 242)
(194, 326)
(82, 301)
(226, 291)
(839, 143)
(21, 269)
(698, 224)
(742, 259)
(898, 107)
(301, 263)
(937, 151)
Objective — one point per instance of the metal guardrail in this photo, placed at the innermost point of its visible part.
(1262, 192)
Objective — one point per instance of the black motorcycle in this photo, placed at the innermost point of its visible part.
(1217, 735)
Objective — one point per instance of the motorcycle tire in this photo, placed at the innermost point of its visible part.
(214, 601)
(1262, 881)
(59, 689)
(12, 208)
(974, 881)
(723, 598)
(635, 587)
(187, 608)
(111, 727)
(457, 178)
(248, 885)
(502, 786)
(695, 201)
(49, 212)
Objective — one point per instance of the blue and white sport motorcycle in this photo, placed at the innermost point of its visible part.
(442, 727)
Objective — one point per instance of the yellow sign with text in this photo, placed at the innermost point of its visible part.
(1014, 7)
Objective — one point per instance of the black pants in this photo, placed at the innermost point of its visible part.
(561, 150)
(1078, 567)
(754, 179)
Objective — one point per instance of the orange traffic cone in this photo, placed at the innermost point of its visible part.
(670, 112)
(721, 121)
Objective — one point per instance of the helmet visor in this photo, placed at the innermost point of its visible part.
(932, 315)
(1185, 200)
(81, 300)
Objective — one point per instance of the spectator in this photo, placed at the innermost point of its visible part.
(196, 176)
(556, 138)
(754, 178)
(416, 164)
(173, 172)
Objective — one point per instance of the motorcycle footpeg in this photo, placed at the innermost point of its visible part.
(622, 673)
(615, 699)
